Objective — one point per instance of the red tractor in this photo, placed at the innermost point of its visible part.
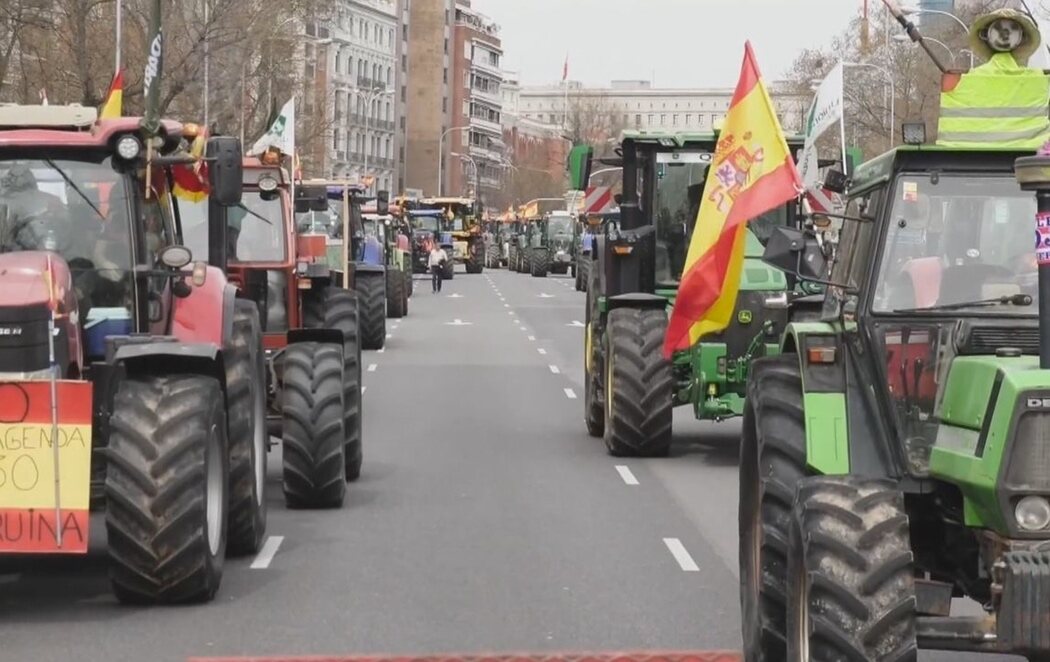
(310, 332)
(129, 374)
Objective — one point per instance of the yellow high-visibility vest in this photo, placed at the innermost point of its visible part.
(998, 104)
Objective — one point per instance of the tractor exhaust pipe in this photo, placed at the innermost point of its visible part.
(1033, 174)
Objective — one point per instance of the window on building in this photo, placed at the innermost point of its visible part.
(663, 120)
(444, 104)
(446, 45)
(674, 119)
(650, 119)
(688, 120)
(444, 75)
(404, 93)
(390, 76)
(335, 139)
(637, 120)
(387, 116)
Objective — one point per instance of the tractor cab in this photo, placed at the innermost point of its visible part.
(463, 223)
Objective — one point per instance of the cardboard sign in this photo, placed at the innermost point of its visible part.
(29, 514)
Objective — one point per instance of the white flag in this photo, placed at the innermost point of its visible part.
(281, 134)
(823, 114)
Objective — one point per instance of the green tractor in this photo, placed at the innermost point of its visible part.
(633, 274)
(397, 259)
(589, 227)
(551, 244)
(895, 453)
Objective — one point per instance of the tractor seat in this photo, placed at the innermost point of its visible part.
(923, 276)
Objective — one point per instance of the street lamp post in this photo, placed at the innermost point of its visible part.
(371, 97)
(477, 173)
(602, 172)
(441, 157)
(893, 92)
(916, 11)
(902, 38)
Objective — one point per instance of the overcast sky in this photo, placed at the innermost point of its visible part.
(683, 43)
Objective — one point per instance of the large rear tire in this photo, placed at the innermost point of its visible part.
(371, 293)
(395, 294)
(772, 462)
(540, 262)
(166, 489)
(593, 402)
(409, 283)
(314, 436)
(248, 439)
(639, 384)
(851, 589)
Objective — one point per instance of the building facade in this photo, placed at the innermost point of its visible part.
(474, 154)
(365, 73)
(428, 102)
(637, 105)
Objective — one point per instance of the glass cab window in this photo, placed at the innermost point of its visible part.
(255, 229)
(79, 210)
(678, 183)
(955, 240)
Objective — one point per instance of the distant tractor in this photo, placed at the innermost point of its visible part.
(468, 241)
(429, 229)
(384, 229)
(136, 360)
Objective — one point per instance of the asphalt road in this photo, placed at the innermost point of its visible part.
(485, 519)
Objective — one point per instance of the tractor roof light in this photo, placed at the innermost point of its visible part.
(1032, 513)
(913, 133)
(128, 147)
(267, 183)
(190, 131)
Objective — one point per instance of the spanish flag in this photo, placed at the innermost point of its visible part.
(751, 173)
(113, 106)
(191, 180)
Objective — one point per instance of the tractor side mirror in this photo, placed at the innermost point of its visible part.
(225, 169)
(581, 158)
(796, 252)
(836, 181)
(383, 202)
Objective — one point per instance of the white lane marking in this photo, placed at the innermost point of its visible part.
(678, 551)
(455, 296)
(532, 338)
(393, 328)
(626, 474)
(458, 322)
(511, 313)
(389, 335)
(372, 367)
(381, 351)
(506, 305)
(570, 394)
(266, 554)
(542, 351)
(554, 369)
(363, 388)
(545, 296)
(576, 323)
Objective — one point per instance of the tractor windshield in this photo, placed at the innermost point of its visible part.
(678, 188)
(256, 229)
(956, 239)
(559, 225)
(77, 209)
(430, 223)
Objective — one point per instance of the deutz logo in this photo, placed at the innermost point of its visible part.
(10, 330)
(1039, 403)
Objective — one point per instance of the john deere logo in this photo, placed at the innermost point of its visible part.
(744, 317)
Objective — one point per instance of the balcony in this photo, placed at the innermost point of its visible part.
(486, 126)
(485, 153)
(366, 83)
(489, 96)
(491, 182)
(482, 64)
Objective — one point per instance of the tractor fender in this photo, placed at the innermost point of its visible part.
(167, 356)
(329, 336)
(206, 315)
(637, 300)
(360, 268)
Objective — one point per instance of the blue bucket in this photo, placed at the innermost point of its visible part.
(103, 323)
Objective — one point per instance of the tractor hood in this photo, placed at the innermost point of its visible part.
(27, 280)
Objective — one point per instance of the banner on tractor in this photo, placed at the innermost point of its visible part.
(29, 513)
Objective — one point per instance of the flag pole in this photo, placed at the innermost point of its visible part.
(51, 330)
(120, 33)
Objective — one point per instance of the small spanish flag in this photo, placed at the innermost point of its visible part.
(191, 180)
(752, 172)
(113, 106)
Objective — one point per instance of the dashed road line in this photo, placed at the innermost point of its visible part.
(381, 350)
(266, 554)
(554, 369)
(532, 338)
(570, 394)
(542, 351)
(372, 367)
(626, 474)
(678, 551)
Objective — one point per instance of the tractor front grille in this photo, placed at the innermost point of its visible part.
(975, 339)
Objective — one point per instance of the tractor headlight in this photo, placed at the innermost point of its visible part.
(267, 183)
(128, 147)
(1032, 513)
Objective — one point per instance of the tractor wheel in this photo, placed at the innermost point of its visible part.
(540, 263)
(371, 292)
(525, 266)
(409, 283)
(166, 489)
(639, 384)
(395, 294)
(449, 272)
(772, 462)
(248, 439)
(314, 437)
(593, 403)
(340, 311)
(850, 582)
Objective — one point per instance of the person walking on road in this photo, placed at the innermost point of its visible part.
(438, 259)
